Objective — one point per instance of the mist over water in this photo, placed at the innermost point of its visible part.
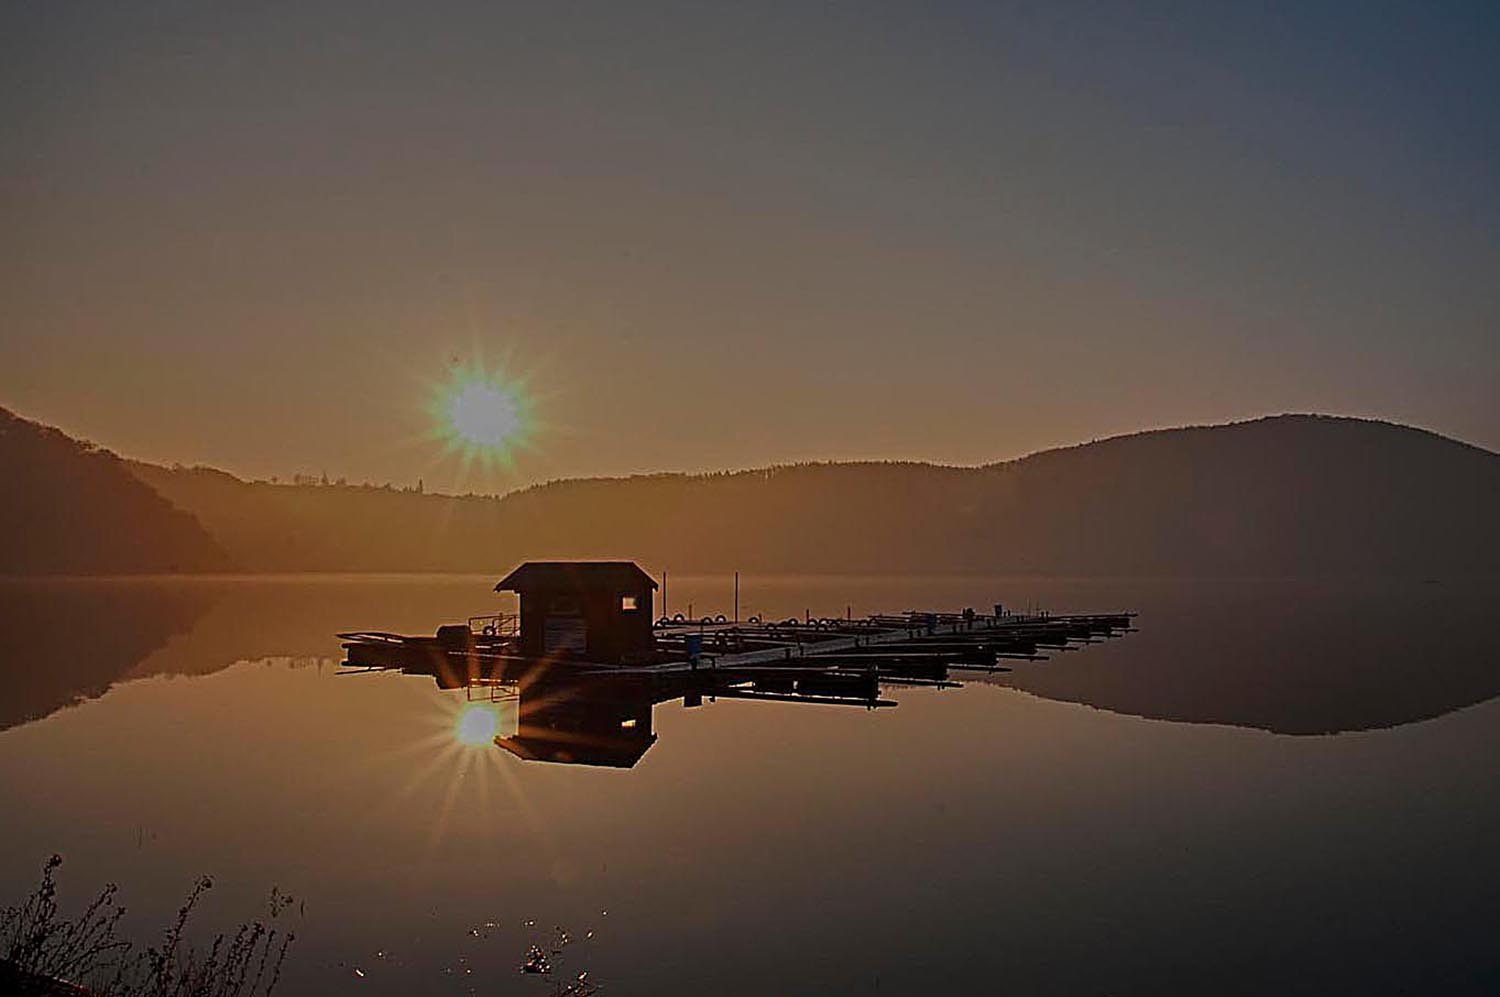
(1046, 831)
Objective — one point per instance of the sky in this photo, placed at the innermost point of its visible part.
(700, 236)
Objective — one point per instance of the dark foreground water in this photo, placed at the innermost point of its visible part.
(1154, 814)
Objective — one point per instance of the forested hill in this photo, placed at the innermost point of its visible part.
(68, 507)
(1305, 495)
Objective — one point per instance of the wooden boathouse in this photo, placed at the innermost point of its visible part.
(597, 611)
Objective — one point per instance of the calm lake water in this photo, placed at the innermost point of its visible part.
(1166, 811)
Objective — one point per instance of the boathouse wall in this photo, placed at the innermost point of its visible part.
(594, 611)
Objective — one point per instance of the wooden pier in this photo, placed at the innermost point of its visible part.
(580, 639)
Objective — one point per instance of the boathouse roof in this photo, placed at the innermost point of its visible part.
(575, 575)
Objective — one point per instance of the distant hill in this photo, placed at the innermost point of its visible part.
(68, 507)
(1285, 495)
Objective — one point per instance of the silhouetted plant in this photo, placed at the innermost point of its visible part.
(41, 952)
(36, 942)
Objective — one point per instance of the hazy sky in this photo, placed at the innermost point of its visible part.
(722, 235)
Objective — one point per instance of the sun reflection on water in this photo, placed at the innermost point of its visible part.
(476, 724)
(455, 767)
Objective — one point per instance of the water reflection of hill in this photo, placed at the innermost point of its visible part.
(1286, 656)
(64, 641)
(1290, 657)
(297, 617)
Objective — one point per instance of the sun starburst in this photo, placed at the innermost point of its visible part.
(482, 416)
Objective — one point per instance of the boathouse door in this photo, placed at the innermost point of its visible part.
(565, 630)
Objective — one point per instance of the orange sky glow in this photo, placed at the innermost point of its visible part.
(957, 235)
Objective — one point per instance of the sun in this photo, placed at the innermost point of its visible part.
(476, 724)
(482, 416)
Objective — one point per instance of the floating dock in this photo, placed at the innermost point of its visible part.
(911, 646)
(584, 636)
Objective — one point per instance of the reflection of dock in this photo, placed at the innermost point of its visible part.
(588, 662)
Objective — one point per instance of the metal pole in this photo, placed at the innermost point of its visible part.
(664, 602)
(736, 597)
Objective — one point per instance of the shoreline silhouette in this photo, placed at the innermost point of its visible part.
(1294, 496)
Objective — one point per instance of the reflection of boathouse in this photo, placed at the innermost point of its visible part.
(595, 610)
(607, 724)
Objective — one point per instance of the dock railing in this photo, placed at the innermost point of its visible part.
(497, 625)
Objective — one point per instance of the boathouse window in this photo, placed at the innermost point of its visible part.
(628, 604)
